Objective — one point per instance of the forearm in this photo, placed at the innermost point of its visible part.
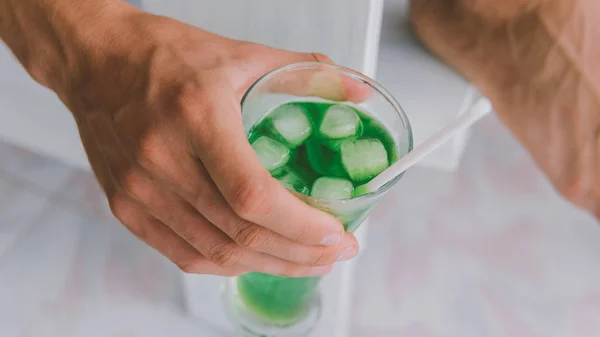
(502, 10)
(499, 44)
(47, 36)
(538, 63)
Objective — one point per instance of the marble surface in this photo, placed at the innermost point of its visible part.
(487, 251)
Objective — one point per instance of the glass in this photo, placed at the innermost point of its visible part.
(266, 305)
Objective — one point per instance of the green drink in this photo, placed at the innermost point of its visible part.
(277, 299)
(324, 150)
(320, 147)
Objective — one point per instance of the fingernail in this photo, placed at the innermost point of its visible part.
(320, 271)
(347, 254)
(332, 239)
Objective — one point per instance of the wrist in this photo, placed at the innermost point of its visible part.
(52, 38)
(497, 45)
(531, 52)
(495, 12)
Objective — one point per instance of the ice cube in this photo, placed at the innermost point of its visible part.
(332, 188)
(364, 159)
(291, 124)
(340, 121)
(272, 154)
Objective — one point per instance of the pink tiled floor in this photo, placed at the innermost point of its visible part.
(487, 251)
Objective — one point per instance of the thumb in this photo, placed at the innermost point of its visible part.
(325, 81)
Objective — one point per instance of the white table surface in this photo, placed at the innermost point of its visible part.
(489, 251)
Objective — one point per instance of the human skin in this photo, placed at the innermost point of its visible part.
(157, 104)
(539, 63)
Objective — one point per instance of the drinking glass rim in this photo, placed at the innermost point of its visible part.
(361, 78)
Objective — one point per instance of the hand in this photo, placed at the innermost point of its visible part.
(539, 65)
(157, 103)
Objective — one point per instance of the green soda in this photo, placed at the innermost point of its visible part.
(322, 150)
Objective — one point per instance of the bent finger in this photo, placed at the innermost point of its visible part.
(251, 191)
(160, 237)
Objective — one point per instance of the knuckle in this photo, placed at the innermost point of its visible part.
(134, 184)
(184, 94)
(224, 254)
(141, 231)
(120, 207)
(251, 198)
(192, 96)
(322, 58)
(252, 236)
(148, 143)
(151, 152)
(575, 189)
(128, 215)
(194, 266)
(320, 256)
(197, 109)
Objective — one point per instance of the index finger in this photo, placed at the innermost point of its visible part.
(250, 190)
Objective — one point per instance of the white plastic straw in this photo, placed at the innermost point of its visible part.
(465, 120)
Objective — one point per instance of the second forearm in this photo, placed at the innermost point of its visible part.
(538, 64)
